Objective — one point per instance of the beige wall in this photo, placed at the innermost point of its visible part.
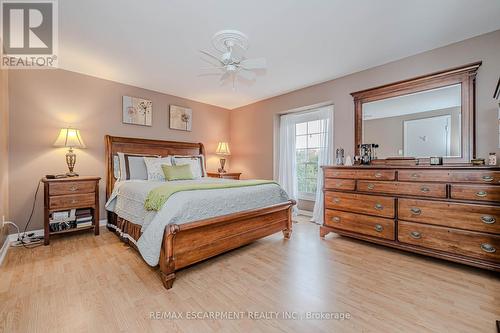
(43, 101)
(4, 156)
(390, 141)
(252, 126)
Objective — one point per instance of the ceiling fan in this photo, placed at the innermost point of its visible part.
(230, 60)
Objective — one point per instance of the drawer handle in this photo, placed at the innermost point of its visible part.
(488, 248)
(336, 219)
(415, 235)
(339, 185)
(378, 175)
(415, 210)
(74, 201)
(371, 186)
(488, 219)
(336, 200)
(73, 188)
(487, 178)
(378, 228)
(425, 189)
(481, 194)
(415, 175)
(379, 206)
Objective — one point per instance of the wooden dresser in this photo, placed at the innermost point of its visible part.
(446, 212)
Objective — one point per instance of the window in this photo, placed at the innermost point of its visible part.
(307, 146)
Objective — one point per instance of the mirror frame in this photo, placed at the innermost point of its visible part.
(464, 75)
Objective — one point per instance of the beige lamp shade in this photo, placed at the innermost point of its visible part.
(69, 137)
(223, 149)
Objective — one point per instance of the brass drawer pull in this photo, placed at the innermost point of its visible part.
(371, 186)
(481, 194)
(379, 206)
(336, 219)
(488, 219)
(336, 200)
(338, 184)
(73, 188)
(415, 235)
(487, 178)
(488, 248)
(425, 189)
(378, 228)
(74, 201)
(378, 175)
(415, 210)
(415, 175)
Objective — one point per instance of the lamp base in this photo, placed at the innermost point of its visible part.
(72, 174)
(222, 164)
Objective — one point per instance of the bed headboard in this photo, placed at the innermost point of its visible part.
(115, 144)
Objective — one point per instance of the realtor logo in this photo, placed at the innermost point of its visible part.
(29, 34)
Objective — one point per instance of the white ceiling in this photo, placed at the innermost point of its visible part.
(425, 101)
(154, 44)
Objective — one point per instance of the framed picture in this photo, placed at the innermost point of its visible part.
(181, 118)
(137, 111)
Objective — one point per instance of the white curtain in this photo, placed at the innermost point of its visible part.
(287, 170)
(287, 163)
(325, 157)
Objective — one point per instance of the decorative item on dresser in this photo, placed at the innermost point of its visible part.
(70, 204)
(225, 175)
(448, 212)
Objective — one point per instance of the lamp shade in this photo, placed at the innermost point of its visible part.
(69, 137)
(223, 149)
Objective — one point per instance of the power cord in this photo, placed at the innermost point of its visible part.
(28, 241)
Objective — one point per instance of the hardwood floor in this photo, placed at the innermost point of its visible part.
(83, 283)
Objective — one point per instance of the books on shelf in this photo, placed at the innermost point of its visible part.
(70, 219)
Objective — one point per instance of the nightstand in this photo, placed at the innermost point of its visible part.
(225, 175)
(73, 194)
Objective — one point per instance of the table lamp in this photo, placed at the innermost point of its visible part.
(222, 149)
(71, 138)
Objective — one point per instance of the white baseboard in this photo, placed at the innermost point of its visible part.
(305, 213)
(13, 237)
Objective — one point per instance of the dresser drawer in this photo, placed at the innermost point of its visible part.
(72, 187)
(404, 188)
(482, 177)
(340, 184)
(71, 201)
(424, 175)
(456, 241)
(362, 224)
(360, 203)
(475, 192)
(450, 214)
(361, 174)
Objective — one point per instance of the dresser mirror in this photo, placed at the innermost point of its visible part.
(428, 116)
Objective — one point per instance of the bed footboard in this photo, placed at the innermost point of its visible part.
(186, 244)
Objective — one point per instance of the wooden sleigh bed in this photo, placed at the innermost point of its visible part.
(189, 243)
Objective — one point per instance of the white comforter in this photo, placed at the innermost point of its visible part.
(128, 197)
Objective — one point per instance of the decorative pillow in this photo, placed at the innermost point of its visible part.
(132, 166)
(177, 172)
(197, 163)
(153, 166)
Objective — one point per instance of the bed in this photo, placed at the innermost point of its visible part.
(186, 242)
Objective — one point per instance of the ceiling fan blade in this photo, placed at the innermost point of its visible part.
(214, 67)
(212, 56)
(256, 63)
(247, 75)
(237, 52)
(209, 74)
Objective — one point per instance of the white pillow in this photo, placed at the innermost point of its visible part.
(197, 163)
(132, 166)
(153, 166)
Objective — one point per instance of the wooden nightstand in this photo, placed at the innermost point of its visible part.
(65, 194)
(225, 175)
